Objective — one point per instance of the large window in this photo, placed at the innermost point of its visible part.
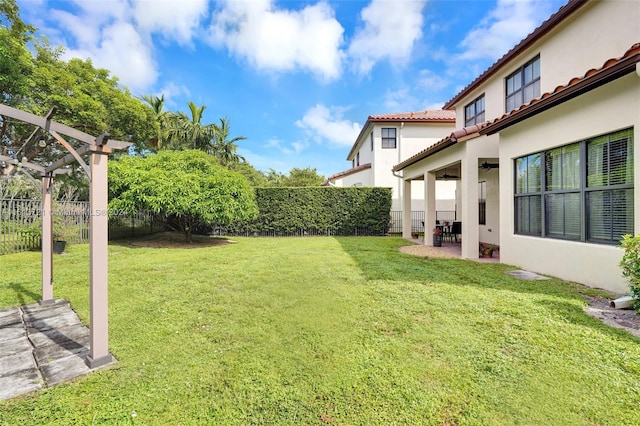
(523, 85)
(584, 194)
(474, 112)
(388, 137)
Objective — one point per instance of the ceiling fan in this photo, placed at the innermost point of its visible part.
(447, 176)
(487, 165)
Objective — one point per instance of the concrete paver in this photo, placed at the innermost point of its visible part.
(41, 346)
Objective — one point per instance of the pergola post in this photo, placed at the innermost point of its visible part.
(47, 239)
(98, 237)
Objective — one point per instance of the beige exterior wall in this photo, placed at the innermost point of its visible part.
(609, 108)
(363, 178)
(411, 139)
(599, 31)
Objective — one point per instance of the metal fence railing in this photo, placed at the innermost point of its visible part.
(21, 224)
(417, 220)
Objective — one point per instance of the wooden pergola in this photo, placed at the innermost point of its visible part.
(97, 149)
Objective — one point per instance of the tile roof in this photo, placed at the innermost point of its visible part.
(612, 69)
(425, 116)
(563, 13)
(456, 136)
(347, 173)
(429, 116)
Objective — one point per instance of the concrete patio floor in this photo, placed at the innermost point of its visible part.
(41, 346)
(455, 248)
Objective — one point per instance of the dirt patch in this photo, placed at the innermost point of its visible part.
(427, 251)
(626, 319)
(176, 240)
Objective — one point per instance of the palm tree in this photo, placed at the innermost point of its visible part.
(162, 119)
(225, 149)
(186, 132)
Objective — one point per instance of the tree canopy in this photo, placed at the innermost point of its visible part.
(296, 178)
(183, 188)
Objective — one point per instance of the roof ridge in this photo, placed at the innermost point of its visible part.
(547, 25)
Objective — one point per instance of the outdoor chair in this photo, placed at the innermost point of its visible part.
(455, 230)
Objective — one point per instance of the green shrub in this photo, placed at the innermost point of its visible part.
(319, 210)
(630, 265)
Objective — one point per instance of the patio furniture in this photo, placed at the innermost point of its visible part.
(455, 230)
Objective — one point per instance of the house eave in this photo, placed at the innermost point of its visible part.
(554, 20)
(592, 80)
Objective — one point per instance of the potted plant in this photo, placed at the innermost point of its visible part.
(437, 237)
(487, 249)
(58, 243)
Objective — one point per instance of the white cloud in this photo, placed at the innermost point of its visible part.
(279, 40)
(174, 20)
(122, 51)
(172, 90)
(117, 34)
(503, 28)
(390, 31)
(322, 123)
(400, 100)
(280, 145)
(431, 81)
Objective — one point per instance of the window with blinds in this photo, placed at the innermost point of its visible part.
(584, 194)
(528, 193)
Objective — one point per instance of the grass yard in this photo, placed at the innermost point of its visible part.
(329, 331)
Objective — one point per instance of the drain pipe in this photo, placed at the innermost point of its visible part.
(623, 302)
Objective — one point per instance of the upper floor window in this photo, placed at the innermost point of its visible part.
(523, 85)
(474, 112)
(389, 137)
(357, 159)
(582, 191)
(371, 139)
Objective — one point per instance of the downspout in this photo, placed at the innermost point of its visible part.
(400, 193)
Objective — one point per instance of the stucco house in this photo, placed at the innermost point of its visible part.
(388, 139)
(545, 147)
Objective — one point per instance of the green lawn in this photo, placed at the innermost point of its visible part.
(329, 331)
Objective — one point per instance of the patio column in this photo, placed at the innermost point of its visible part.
(47, 239)
(98, 239)
(470, 226)
(429, 207)
(406, 208)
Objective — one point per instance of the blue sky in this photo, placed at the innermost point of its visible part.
(297, 78)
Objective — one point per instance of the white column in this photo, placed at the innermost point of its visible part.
(406, 208)
(429, 207)
(47, 239)
(98, 237)
(470, 225)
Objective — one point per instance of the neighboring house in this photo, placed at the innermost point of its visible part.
(387, 139)
(545, 147)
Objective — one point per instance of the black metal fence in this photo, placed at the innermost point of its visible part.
(21, 224)
(417, 220)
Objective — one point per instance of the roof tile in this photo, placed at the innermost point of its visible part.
(592, 74)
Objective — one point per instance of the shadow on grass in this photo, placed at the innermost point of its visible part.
(379, 258)
(24, 295)
(172, 240)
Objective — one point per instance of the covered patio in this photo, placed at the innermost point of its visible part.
(472, 161)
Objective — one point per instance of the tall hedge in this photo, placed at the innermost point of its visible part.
(320, 210)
